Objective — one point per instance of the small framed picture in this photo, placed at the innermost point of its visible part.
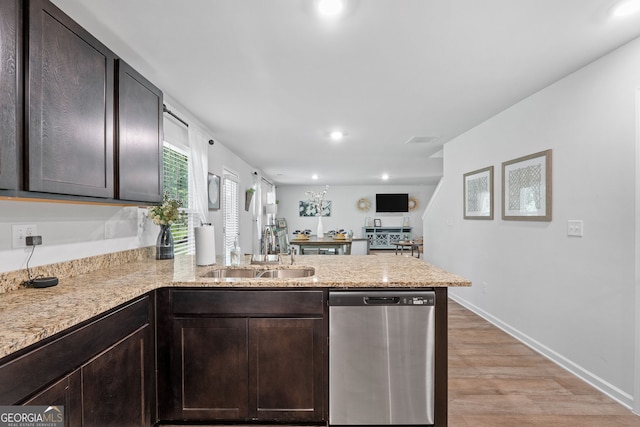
(377, 222)
(526, 188)
(282, 223)
(478, 194)
(214, 191)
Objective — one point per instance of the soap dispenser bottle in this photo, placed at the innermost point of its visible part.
(235, 253)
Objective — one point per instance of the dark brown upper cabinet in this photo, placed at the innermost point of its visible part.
(139, 137)
(76, 123)
(10, 93)
(70, 99)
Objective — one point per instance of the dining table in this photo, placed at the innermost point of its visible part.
(325, 244)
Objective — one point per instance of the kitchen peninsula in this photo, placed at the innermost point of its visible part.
(159, 305)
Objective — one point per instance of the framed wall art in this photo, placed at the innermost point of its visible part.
(309, 208)
(478, 194)
(214, 191)
(526, 188)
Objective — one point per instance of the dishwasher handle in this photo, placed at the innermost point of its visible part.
(370, 300)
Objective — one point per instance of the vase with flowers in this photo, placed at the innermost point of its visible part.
(316, 200)
(165, 215)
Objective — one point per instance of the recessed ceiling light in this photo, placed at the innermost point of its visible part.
(336, 135)
(330, 8)
(314, 176)
(626, 8)
(385, 176)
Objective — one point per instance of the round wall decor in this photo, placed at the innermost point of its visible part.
(363, 205)
(413, 203)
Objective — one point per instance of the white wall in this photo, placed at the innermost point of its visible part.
(220, 157)
(345, 213)
(72, 231)
(571, 298)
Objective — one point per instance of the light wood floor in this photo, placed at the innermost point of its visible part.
(494, 380)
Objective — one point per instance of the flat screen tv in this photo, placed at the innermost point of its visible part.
(392, 202)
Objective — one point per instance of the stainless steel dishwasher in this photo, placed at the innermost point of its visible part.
(381, 358)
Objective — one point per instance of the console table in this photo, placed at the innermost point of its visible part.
(385, 237)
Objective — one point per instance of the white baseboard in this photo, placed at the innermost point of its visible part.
(610, 390)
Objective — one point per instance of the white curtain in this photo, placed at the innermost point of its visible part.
(198, 144)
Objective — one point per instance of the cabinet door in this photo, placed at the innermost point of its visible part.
(139, 137)
(10, 102)
(286, 369)
(65, 392)
(70, 90)
(116, 385)
(209, 378)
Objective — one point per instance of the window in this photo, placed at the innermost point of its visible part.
(176, 183)
(231, 211)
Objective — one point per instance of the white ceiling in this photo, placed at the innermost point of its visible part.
(270, 79)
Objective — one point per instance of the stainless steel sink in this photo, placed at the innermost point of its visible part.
(291, 273)
(252, 273)
(238, 273)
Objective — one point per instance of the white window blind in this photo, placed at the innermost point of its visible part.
(176, 183)
(230, 206)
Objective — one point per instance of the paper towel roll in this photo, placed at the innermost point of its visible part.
(205, 245)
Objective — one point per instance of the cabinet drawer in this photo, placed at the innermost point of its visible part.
(246, 302)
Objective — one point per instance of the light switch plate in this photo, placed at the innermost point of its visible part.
(574, 227)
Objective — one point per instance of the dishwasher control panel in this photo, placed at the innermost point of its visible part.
(418, 300)
(382, 298)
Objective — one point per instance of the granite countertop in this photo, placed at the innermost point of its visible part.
(30, 315)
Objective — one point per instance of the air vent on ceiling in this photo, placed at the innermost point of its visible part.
(422, 140)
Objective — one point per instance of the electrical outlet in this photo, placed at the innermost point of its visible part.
(20, 233)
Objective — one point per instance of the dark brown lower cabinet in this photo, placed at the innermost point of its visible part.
(211, 379)
(259, 366)
(102, 372)
(63, 393)
(285, 369)
(107, 391)
(115, 385)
